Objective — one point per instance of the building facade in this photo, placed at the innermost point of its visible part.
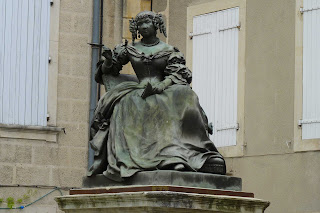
(257, 60)
(273, 44)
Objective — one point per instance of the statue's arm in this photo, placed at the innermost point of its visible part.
(107, 61)
(176, 70)
(111, 62)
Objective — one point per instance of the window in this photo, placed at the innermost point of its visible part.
(24, 35)
(216, 49)
(215, 71)
(26, 77)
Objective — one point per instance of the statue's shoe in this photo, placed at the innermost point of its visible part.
(214, 166)
(179, 167)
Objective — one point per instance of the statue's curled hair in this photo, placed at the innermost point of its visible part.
(157, 21)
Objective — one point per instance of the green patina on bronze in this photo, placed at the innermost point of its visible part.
(153, 121)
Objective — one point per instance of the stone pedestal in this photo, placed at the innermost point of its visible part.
(162, 191)
(156, 199)
(167, 177)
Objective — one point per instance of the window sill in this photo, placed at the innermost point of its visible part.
(42, 133)
(305, 145)
(231, 151)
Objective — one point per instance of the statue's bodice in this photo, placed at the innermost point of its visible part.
(149, 65)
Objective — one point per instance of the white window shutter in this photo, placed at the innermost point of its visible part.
(311, 70)
(24, 35)
(215, 71)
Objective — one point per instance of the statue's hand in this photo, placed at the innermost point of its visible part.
(106, 56)
(106, 53)
(143, 84)
(161, 86)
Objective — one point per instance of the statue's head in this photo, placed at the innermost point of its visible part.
(147, 17)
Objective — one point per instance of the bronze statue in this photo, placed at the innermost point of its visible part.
(154, 122)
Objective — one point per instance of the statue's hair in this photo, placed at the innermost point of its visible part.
(157, 21)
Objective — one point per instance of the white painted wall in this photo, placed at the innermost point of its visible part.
(24, 39)
(215, 71)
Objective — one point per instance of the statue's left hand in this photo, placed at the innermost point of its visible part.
(161, 86)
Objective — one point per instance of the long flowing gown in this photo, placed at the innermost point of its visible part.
(130, 134)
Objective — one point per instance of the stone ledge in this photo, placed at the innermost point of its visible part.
(167, 177)
(159, 201)
(124, 189)
(44, 133)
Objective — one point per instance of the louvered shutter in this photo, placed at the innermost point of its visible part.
(311, 70)
(215, 71)
(24, 38)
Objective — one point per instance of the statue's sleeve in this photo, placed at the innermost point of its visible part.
(176, 70)
(119, 59)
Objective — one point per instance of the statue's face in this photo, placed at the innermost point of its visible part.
(146, 27)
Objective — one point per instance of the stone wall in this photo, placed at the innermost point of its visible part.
(36, 164)
(74, 88)
(40, 163)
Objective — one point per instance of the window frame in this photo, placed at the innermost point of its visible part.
(50, 132)
(238, 149)
(299, 144)
(53, 65)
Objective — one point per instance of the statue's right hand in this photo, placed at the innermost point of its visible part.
(106, 56)
(106, 53)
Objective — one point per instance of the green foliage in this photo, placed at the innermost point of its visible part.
(29, 194)
(25, 197)
(10, 202)
(19, 201)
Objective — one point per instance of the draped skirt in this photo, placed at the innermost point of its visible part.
(130, 134)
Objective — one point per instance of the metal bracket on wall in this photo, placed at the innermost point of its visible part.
(302, 10)
(95, 45)
(308, 121)
(244, 146)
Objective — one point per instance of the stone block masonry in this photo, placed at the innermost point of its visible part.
(27, 162)
(30, 162)
(73, 93)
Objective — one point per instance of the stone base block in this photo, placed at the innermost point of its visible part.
(168, 177)
(169, 201)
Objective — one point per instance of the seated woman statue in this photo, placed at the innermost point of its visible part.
(157, 123)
